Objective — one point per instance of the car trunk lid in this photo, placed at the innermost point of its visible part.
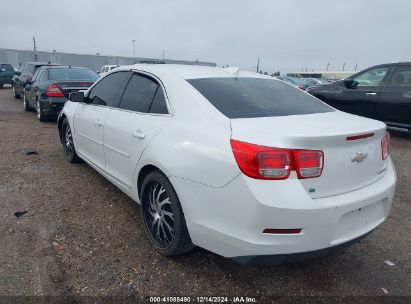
(68, 87)
(349, 163)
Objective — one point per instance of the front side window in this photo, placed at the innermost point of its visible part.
(401, 77)
(256, 97)
(139, 94)
(372, 77)
(107, 91)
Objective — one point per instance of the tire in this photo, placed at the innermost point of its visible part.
(15, 94)
(70, 153)
(26, 106)
(1, 85)
(39, 109)
(160, 211)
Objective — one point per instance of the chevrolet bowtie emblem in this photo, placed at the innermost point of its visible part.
(359, 157)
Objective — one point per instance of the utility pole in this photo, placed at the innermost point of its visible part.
(163, 54)
(134, 48)
(34, 49)
(344, 66)
(328, 65)
(355, 69)
(258, 65)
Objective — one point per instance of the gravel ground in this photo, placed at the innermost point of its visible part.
(81, 236)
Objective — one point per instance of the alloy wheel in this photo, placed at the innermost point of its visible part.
(158, 215)
(38, 109)
(68, 142)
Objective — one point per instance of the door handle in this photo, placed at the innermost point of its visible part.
(98, 123)
(371, 93)
(138, 134)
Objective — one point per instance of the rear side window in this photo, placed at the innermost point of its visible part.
(401, 76)
(256, 97)
(72, 74)
(107, 91)
(140, 94)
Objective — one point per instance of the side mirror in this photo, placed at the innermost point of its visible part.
(77, 97)
(350, 83)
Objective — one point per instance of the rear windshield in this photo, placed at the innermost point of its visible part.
(256, 97)
(7, 67)
(72, 74)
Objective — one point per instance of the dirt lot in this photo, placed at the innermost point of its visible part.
(82, 236)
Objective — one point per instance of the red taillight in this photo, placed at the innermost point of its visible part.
(30, 78)
(262, 162)
(308, 163)
(54, 91)
(385, 146)
(301, 88)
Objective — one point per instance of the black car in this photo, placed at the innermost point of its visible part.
(26, 72)
(6, 74)
(51, 86)
(381, 92)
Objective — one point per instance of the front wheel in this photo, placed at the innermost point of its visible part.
(163, 216)
(15, 94)
(70, 153)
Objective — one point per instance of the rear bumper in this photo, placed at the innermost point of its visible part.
(230, 220)
(53, 106)
(276, 259)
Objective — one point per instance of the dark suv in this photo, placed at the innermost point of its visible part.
(381, 92)
(25, 74)
(6, 74)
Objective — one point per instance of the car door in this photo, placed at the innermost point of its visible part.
(141, 115)
(90, 117)
(394, 102)
(362, 97)
(30, 89)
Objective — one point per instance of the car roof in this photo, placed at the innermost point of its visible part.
(41, 63)
(192, 71)
(63, 67)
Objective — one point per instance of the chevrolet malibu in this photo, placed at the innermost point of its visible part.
(235, 162)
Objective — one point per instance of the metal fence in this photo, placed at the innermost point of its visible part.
(93, 62)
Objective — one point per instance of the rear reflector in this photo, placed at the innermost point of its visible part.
(362, 136)
(281, 231)
(385, 146)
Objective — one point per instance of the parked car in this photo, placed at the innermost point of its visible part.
(24, 75)
(294, 81)
(236, 162)
(316, 81)
(381, 92)
(50, 88)
(6, 74)
(107, 68)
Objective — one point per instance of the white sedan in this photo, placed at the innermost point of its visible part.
(235, 162)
